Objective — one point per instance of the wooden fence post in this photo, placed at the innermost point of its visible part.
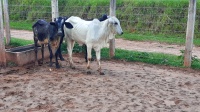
(7, 21)
(54, 9)
(190, 33)
(112, 42)
(2, 46)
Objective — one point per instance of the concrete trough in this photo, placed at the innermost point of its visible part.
(24, 54)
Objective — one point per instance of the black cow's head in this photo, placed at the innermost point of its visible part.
(59, 21)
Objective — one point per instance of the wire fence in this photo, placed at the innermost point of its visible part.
(136, 19)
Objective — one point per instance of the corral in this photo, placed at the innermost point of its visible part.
(125, 87)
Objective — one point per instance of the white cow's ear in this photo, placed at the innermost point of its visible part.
(68, 25)
(110, 20)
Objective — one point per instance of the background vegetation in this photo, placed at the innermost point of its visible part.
(167, 17)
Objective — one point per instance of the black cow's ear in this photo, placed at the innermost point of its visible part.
(68, 25)
(65, 18)
(52, 23)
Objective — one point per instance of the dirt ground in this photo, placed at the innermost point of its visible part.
(125, 87)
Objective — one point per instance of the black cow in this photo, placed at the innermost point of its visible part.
(104, 17)
(48, 33)
(61, 21)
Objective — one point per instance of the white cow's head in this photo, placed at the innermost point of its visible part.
(115, 25)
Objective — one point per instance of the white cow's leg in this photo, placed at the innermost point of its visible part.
(70, 45)
(98, 56)
(89, 49)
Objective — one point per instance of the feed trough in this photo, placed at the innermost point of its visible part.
(24, 54)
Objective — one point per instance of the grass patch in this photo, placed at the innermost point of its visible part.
(15, 42)
(162, 38)
(21, 25)
(150, 58)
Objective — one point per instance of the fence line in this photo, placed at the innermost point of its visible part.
(150, 20)
(2, 46)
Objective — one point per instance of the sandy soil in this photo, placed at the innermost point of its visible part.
(125, 87)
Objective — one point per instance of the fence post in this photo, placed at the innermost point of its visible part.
(54, 9)
(190, 33)
(2, 46)
(7, 21)
(112, 42)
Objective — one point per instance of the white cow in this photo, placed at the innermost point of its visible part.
(94, 34)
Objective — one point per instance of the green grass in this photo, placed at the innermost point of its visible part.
(153, 37)
(15, 42)
(159, 15)
(150, 58)
(21, 25)
(162, 38)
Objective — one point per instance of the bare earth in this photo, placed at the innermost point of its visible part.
(125, 87)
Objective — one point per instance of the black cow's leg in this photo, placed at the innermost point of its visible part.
(56, 59)
(59, 50)
(86, 54)
(42, 50)
(35, 49)
(93, 53)
(51, 55)
(60, 54)
(85, 47)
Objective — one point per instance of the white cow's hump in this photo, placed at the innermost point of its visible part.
(74, 20)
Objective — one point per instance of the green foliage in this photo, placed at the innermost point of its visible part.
(15, 42)
(151, 58)
(170, 39)
(21, 25)
(137, 15)
(149, 16)
(162, 38)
